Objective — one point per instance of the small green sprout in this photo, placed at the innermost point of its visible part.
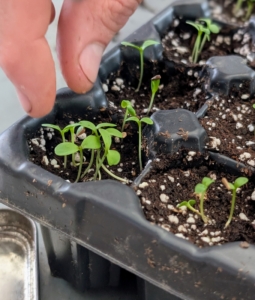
(155, 82)
(250, 5)
(200, 191)
(139, 123)
(233, 187)
(62, 133)
(141, 51)
(67, 148)
(238, 6)
(202, 36)
(129, 111)
(189, 204)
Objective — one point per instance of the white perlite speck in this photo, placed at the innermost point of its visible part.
(244, 156)
(35, 142)
(180, 235)
(216, 239)
(245, 96)
(181, 228)
(82, 136)
(171, 178)
(190, 220)
(119, 81)
(163, 198)
(143, 185)
(105, 87)
(173, 219)
(253, 196)
(243, 217)
(251, 127)
(115, 88)
(251, 162)
(53, 162)
(162, 187)
(239, 125)
(205, 239)
(166, 227)
(45, 160)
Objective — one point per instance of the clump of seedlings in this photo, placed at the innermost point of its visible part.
(203, 34)
(233, 187)
(141, 52)
(100, 141)
(155, 82)
(62, 132)
(200, 191)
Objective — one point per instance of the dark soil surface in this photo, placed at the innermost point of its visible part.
(230, 125)
(43, 143)
(224, 10)
(172, 180)
(180, 87)
(179, 40)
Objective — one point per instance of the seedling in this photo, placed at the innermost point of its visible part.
(112, 156)
(233, 187)
(189, 204)
(141, 52)
(200, 191)
(202, 32)
(129, 111)
(250, 5)
(67, 148)
(155, 82)
(139, 123)
(62, 133)
(238, 6)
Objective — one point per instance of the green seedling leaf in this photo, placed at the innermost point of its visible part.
(207, 181)
(91, 142)
(131, 111)
(133, 119)
(79, 130)
(149, 43)
(214, 28)
(131, 45)
(106, 138)
(52, 126)
(253, 106)
(101, 125)
(231, 186)
(197, 26)
(71, 126)
(240, 182)
(114, 132)
(155, 82)
(125, 103)
(147, 121)
(184, 203)
(89, 125)
(66, 148)
(113, 157)
(192, 202)
(200, 188)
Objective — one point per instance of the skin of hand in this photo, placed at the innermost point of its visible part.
(85, 28)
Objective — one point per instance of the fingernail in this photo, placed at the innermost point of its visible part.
(26, 104)
(90, 59)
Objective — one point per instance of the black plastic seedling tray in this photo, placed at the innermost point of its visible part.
(106, 217)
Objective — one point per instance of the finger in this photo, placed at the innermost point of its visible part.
(85, 28)
(25, 55)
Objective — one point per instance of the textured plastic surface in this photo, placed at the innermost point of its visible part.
(106, 217)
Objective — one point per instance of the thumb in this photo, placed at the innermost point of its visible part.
(84, 30)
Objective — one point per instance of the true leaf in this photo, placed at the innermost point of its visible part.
(91, 142)
(240, 181)
(113, 157)
(149, 43)
(66, 148)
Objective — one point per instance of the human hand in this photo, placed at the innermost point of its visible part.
(85, 28)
